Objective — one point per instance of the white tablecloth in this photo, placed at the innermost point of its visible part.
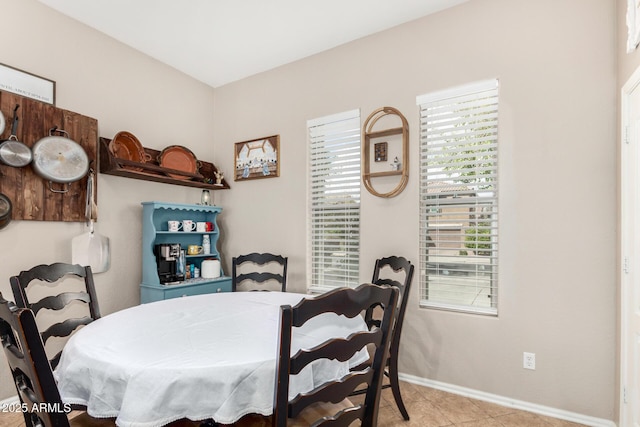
(199, 357)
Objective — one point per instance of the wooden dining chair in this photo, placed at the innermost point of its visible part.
(328, 404)
(40, 401)
(401, 279)
(273, 269)
(73, 284)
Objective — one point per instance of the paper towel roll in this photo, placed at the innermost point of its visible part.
(210, 269)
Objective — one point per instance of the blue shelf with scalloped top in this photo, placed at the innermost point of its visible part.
(155, 216)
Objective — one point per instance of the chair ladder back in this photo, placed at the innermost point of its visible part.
(350, 303)
(51, 274)
(397, 264)
(259, 277)
(39, 397)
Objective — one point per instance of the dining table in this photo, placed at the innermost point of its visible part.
(198, 357)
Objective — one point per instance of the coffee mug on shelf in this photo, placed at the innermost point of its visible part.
(174, 225)
(208, 226)
(194, 249)
(201, 227)
(188, 225)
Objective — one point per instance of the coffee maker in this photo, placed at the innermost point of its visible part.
(167, 260)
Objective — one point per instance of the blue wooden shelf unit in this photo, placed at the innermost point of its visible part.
(155, 231)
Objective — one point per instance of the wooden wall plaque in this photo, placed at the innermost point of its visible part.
(29, 193)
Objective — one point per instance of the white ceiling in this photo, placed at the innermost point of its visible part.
(221, 41)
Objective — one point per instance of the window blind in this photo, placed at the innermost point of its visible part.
(334, 200)
(459, 198)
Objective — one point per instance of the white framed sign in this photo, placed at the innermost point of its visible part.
(26, 84)
(633, 24)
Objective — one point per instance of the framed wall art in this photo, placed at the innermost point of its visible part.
(26, 84)
(380, 151)
(633, 25)
(257, 158)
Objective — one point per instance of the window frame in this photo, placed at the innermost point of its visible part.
(459, 185)
(344, 134)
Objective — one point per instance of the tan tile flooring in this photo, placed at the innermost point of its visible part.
(427, 407)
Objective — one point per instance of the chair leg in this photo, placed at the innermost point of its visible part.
(395, 386)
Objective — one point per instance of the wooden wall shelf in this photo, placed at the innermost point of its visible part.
(152, 171)
(369, 136)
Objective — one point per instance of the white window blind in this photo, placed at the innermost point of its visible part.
(334, 200)
(459, 198)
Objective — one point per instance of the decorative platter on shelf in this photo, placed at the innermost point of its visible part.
(126, 146)
(178, 158)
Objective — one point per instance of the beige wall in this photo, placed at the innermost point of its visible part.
(124, 90)
(556, 65)
(627, 62)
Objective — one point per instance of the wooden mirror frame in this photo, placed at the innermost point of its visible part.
(368, 134)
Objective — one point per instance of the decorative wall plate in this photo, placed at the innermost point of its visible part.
(179, 158)
(125, 145)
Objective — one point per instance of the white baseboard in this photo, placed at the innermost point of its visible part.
(509, 402)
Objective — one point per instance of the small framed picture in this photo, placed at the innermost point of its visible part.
(257, 158)
(26, 84)
(633, 25)
(380, 151)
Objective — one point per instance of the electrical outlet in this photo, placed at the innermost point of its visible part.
(529, 361)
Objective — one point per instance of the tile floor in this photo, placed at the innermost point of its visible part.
(427, 408)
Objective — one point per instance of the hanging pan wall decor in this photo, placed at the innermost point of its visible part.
(12, 151)
(370, 136)
(59, 159)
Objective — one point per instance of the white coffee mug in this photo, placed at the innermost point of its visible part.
(188, 225)
(201, 227)
(174, 225)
